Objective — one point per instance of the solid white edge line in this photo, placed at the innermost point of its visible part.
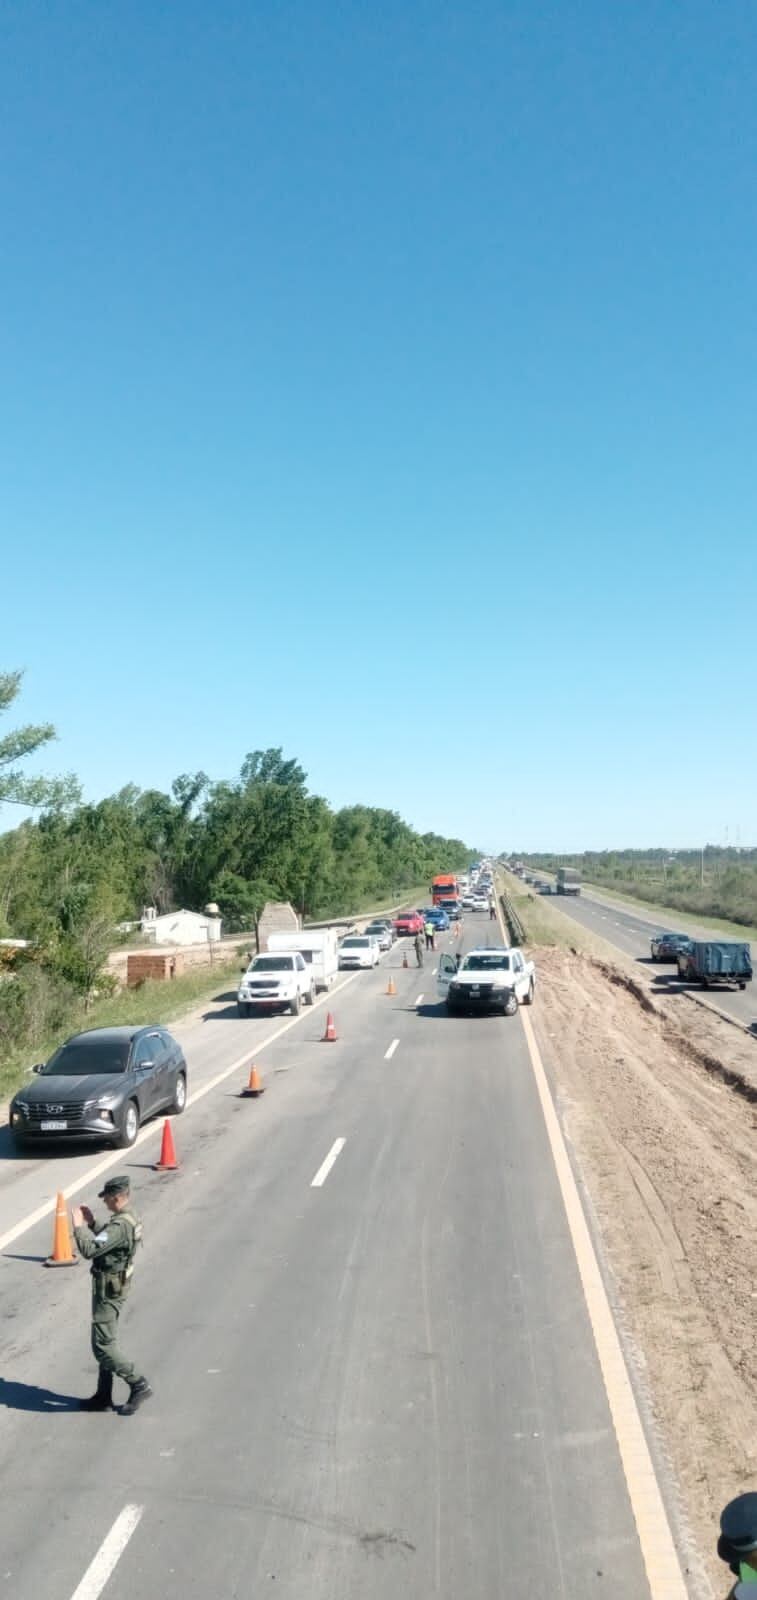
(325, 1167)
(108, 1555)
(391, 1050)
(155, 1127)
(658, 1549)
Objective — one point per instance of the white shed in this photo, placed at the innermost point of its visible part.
(181, 927)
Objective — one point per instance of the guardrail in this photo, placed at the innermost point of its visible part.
(515, 927)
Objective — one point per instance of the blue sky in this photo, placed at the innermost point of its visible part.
(380, 381)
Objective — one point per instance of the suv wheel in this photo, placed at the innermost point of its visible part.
(310, 996)
(511, 1004)
(129, 1125)
(294, 1006)
(528, 998)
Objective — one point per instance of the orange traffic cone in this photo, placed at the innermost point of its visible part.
(167, 1162)
(405, 961)
(63, 1255)
(391, 987)
(254, 1087)
(330, 1034)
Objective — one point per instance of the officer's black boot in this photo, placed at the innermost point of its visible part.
(102, 1399)
(138, 1393)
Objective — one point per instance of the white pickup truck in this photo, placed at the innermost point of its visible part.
(276, 982)
(493, 978)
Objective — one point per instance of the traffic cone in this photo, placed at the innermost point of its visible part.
(330, 1034)
(254, 1087)
(167, 1162)
(405, 961)
(391, 987)
(63, 1255)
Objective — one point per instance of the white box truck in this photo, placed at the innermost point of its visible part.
(320, 948)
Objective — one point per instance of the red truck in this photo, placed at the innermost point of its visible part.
(445, 887)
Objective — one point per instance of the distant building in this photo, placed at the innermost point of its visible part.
(181, 927)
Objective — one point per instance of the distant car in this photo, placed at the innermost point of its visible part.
(408, 923)
(101, 1085)
(467, 901)
(480, 902)
(544, 888)
(665, 946)
(438, 916)
(359, 950)
(380, 931)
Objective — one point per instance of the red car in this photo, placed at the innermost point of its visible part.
(408, 922)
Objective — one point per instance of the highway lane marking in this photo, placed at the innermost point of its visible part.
(418, 1000)
(108, 1555)
(325, 1167)
(655, 1538)
(150, 1130)
(392, 1048)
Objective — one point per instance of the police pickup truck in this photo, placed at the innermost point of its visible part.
(494, 978)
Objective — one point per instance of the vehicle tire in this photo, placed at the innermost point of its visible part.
(243, 1008)
(742, 985)
(705, 982)
(129, 1126)
(511, 1004)
(310, 996)
(528, 998)
(179, 1101)
(295, 1006)
(451, 1010)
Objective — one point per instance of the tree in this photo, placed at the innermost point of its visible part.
(23, 742)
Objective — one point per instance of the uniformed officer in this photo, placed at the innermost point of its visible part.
(737, 1544)
(111, 1249)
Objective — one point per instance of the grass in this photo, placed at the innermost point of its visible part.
(151, 1002)
(545, 924)
(686, 921)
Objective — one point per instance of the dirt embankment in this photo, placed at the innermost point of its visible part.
(659, 1109)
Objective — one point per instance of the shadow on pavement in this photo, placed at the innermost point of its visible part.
(28, 1397)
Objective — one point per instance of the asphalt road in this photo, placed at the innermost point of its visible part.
(384, 1384)
(631, 932)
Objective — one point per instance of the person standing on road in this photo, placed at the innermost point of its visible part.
(111, 1249)
(430, 932)
(418, 944)
(492, 909)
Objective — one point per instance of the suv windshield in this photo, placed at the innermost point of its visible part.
(487, 963)
(354, 944)
(272, 964)
(78, 1058)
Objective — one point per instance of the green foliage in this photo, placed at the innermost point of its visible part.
(67, 880)
(16, 746)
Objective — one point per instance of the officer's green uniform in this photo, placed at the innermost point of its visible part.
(111, 1249)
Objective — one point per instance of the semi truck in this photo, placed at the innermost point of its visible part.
(568, 880)
(445, 887)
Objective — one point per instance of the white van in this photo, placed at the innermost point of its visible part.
(319, 946)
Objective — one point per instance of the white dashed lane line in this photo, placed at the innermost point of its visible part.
(325, 1167)
(108, 1555)
(391, 1050)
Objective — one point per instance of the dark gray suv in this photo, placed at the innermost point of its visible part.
(101, 1085)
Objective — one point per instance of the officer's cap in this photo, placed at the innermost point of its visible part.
(115, 1186)
(738, 1529)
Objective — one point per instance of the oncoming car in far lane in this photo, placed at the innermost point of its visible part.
(494, 978)
(665, 946)
(102, 1084)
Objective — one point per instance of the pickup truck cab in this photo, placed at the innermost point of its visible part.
(276, 982)
(494, 978)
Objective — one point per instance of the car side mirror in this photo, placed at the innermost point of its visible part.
(39, 1067)
(145, 1066)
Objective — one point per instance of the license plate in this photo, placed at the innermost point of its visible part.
(53, 1127)
(475, 988)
